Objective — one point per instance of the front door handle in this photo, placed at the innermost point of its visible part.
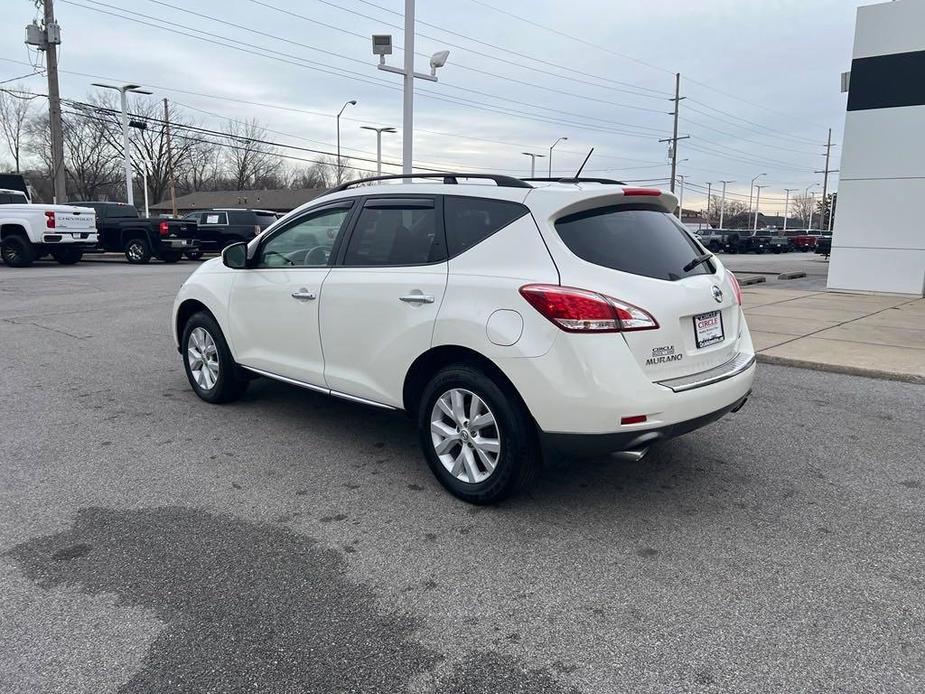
(417, 298)
(304, 295)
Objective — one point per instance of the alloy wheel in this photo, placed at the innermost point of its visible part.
(135, 250)
(465, 435)
(202, 355)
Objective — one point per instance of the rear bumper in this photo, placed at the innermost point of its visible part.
(64, 238)
(589, 445)
(180, 244)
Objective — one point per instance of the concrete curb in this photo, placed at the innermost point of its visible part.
(744, 281)
(791, 275)
(840, 369)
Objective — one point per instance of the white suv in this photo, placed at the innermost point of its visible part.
(509, 320)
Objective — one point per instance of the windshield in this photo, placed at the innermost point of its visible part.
(639, 240)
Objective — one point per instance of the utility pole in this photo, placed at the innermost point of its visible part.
(674, 137)
(825, 177)
(170, 181)
(787, 204)
(722, 204)
(51, 40)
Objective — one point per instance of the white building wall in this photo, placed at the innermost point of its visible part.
(879, 236)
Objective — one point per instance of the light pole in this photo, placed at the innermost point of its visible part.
(722, 204)
(681, 198)
(533, 158)
(550, 153)
(812, 203)
(144, 183)
(757, 202)
(123, 90)
(352, 102)
(787, 204)
(751, 192)
(382, 46)
(709, 191)
(379, 132)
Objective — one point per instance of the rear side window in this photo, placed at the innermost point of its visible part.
(472, 220)
(265, 219)
(641, 241)
(241, 217)
(396, 233)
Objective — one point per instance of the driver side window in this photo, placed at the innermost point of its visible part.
(307, 243)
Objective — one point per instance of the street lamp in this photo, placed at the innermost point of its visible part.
(757, 202)
(382, 46)
(550, 153)
(812, 203)
(123, 90)
(722, 204)
(144, 183)
(379, 132)
(681, 198)
(352, 102)
(533, 158)
(709, 193)
(787, 204)
(751, 192)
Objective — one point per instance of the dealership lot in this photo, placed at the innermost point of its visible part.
(151, 542)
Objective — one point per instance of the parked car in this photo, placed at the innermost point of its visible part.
(28, 232)
(802, 239)
(508, 321)
(714, 239)
(221, 227)
(777, 242)
(824, 244)
(122, 230)
(748, 241)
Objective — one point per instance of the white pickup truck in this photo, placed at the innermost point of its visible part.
(28, 232)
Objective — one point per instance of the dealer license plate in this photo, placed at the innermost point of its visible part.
(708, 329)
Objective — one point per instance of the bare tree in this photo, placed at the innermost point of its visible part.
(15, 105)
(801, 206)
(251, 163)
(321, 174)
(732, 208)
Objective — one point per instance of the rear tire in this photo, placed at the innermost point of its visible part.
(487, 458)
(210, 368)
(137, 251)
(194, 255)
(16, 251)
(67, 256)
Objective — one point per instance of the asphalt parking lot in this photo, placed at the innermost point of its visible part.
(295, 543)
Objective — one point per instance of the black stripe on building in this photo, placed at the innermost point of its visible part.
(887, 81)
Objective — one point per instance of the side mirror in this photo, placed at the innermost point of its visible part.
(235, 255)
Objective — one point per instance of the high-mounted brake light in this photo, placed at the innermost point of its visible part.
(164, 228)
(50, 220)
(582, 311)
(736, 289)
(641, 191)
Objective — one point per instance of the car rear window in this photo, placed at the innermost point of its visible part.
(470, 221)
(638, 240)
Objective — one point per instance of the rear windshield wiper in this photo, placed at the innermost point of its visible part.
(697, 261)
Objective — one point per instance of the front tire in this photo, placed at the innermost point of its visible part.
(210, 368)
(194, 255)
(476, 434)
(16, 251)
(137, 251)
(67, 256)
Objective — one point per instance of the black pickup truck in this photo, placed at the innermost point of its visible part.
(122, 230)
(748, 241)
(222, 227)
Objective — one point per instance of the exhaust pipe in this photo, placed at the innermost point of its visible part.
(631, 456)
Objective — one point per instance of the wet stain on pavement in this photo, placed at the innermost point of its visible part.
(253, 607)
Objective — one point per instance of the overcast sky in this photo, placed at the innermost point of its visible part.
(761, 78)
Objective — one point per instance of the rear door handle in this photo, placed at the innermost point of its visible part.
(304, 295)
(417, 298)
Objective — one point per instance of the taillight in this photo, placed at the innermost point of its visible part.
(641, 191)
(582, 311)
(736, 289)
(164, 228)
(50, 220)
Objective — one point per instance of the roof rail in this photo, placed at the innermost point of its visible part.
(605, 181)
(448, 178)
